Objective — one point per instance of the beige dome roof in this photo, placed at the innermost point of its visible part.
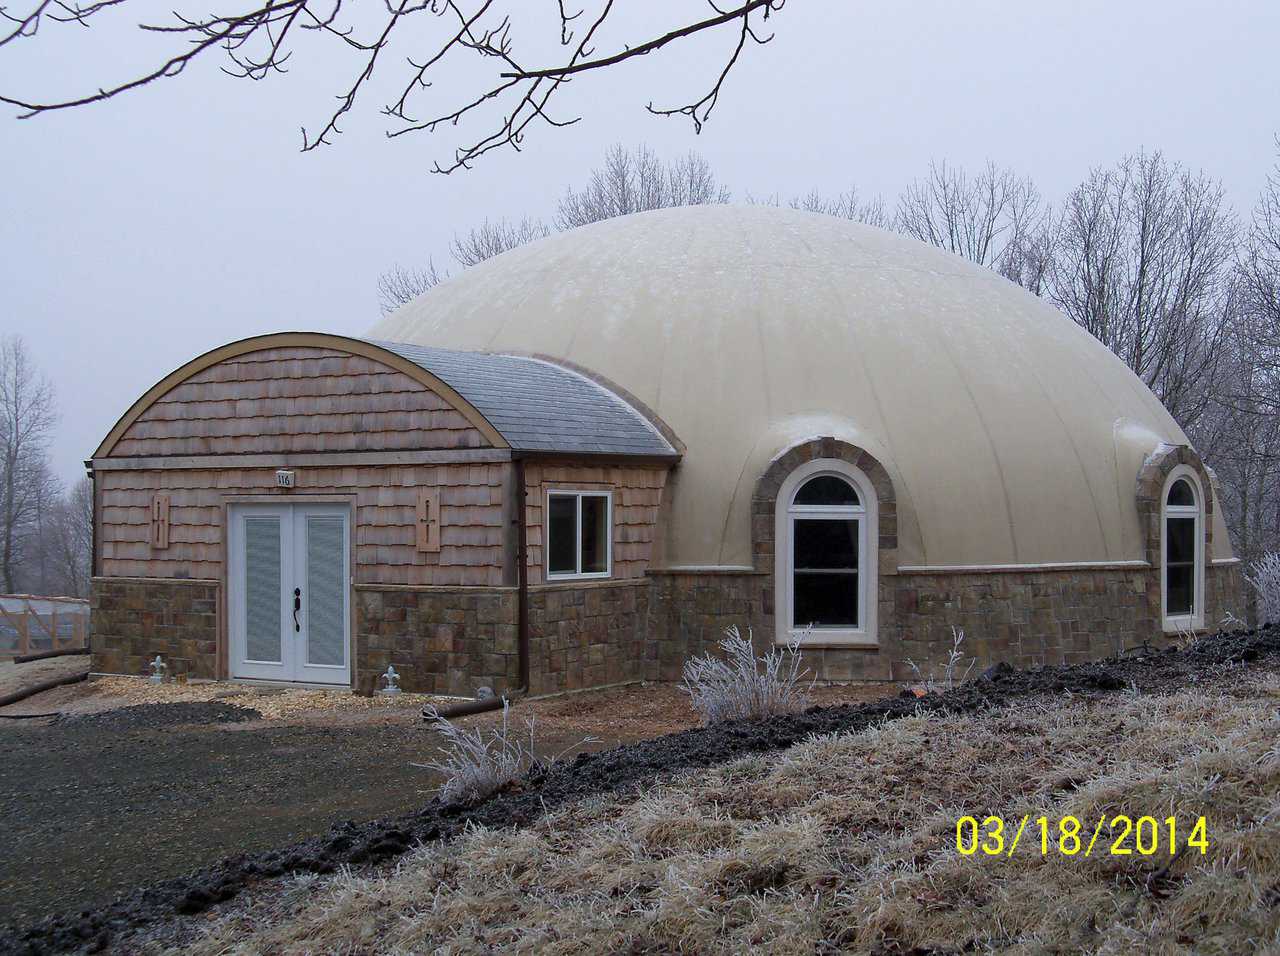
(1012, 436)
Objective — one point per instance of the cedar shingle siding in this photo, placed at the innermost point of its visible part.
(297, 400)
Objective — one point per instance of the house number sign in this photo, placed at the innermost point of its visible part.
(284, 478)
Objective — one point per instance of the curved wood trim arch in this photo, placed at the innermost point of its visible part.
(299, 339)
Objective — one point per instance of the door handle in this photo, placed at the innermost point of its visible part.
(297, 606)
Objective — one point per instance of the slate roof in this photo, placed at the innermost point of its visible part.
(539, 406)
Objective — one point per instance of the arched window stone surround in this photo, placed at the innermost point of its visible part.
(764, 511)
(1152, 480)
(1153, 483)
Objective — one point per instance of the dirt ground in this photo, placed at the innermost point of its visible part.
(136, 784)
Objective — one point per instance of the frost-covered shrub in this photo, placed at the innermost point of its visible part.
(742, 685)
(1264, 577)
(948, 681)
(476, 763)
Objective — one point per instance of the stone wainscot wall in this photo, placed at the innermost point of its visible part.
(134, 619)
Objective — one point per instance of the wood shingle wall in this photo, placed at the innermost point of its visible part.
(297, 399)
(637, 493)
(471, 510)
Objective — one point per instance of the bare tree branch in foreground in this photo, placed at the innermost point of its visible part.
(257, 40)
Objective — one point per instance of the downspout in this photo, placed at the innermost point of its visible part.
(522, 578)
(93, 522)
(483, 705)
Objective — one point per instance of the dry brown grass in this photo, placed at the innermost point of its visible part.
(848, 843)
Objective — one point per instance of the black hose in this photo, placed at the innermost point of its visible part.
(467, 707)
(41, 687)
(45, 655)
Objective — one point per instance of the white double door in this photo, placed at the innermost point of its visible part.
(288, 583)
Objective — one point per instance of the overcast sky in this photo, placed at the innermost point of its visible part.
(137, 234)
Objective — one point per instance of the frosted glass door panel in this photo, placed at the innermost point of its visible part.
(262, 587)
(326, 591)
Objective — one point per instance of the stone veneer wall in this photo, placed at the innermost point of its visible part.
(689, 611)
(441, 640)
(1026, 617)
(452, 640)
(588, 635)
(134, 619)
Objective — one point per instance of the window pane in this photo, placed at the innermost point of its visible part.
(1181, 547)
(1179, 582)
(562, 534)
(595, 534)
(1181, 494)
(825, 542)
(825, 600)
(826, 490)
(262, 589)
(326, 591)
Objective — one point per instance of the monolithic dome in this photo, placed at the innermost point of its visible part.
(576, 463)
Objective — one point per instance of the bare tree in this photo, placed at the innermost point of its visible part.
(258, 37)
(491, 238)
(27, 417)
(626, 182)
(1143, 260)
(1259, 289)
(638, 181)
(846, 205)
(70, 542)
(987, 218)
(399, 285)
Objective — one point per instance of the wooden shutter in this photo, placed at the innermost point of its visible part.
(428, 519)
(160, 521)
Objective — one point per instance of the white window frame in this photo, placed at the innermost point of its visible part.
(1194, 620)
(867, 515)
(578, 575)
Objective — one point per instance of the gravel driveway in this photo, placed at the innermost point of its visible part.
(98, 804)
(109, 798)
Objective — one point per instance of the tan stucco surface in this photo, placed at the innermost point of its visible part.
(1012, 436)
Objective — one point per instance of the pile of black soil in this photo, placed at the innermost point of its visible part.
(626, 767)
(153, 716)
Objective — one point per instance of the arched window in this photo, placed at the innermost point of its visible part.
(1182, 551)
(826, 555)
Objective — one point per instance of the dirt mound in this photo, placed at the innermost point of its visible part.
(354, 844)
(155, 716)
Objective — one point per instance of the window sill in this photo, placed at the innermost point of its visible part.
(820, 639)
(1180, 625)
(563, 578)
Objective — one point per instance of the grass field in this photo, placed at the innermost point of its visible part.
(848, 843)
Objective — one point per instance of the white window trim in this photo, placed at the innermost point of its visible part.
(579, 575)
(868, 556)
(1194, 620)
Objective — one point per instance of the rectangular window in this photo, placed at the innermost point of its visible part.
(578, 532)
(825, 564)
(1180, 566)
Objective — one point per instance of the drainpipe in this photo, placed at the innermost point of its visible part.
(93, 522)
(522, 578)
(522, 614)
